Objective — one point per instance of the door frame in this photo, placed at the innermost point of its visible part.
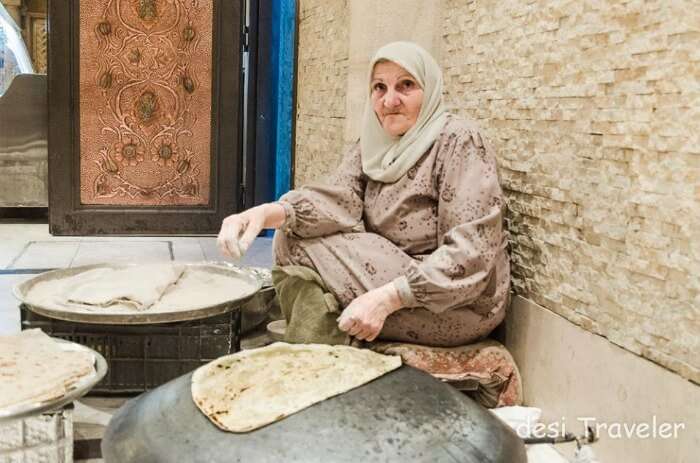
(271, 94)
(66, 215)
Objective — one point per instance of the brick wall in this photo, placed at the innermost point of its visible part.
(594, 109)
(322, 64)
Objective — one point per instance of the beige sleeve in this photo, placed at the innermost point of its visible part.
(470, 226)
(334, 205)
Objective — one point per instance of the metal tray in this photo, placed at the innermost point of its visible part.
(77, 390)
(257, 309)
(104, 316)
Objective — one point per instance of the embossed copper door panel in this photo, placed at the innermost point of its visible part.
(145, 101)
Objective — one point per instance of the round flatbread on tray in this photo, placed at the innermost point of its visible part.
(34, 368)
(137, 294)
(253, 388)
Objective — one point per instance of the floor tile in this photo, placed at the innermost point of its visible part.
(27, 231)
(187, 250)
(30, 232)
(9, 306)
(122, 251)
(211, 251)
(259, 254)
(46, 254)
(104, 238)
(10, 250)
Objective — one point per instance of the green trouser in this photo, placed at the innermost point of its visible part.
(310, 309)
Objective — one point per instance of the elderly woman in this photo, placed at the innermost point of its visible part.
(407, 234)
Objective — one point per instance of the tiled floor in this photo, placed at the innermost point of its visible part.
(9, 312)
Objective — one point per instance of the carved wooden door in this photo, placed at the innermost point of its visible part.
(145, 115)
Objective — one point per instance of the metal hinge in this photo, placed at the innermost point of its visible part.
(245, 38)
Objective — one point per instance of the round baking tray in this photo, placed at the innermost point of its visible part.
(75, 391)
(257, 309)
(104, 316)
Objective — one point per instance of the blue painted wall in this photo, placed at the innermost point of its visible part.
(285, 16)
(276, 42)
(274, 100)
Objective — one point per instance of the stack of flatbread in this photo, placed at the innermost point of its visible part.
(198, 287)
(250, 389)
(34, 367)
(153, 287)
(137, 287)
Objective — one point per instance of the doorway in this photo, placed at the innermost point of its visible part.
(145, 116)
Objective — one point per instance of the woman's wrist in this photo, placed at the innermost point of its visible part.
(404, 291)
(275, 215)
(393, 299)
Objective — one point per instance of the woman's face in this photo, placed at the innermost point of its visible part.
(396, 97)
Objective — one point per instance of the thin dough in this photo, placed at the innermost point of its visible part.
(33, 368)
(139, 286)
(253, 388)
(199, 287)
(130, 288)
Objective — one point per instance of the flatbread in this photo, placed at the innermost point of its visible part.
(34, 367)
(200, 287)
(139, 286)
(131, 288)
(250, 389)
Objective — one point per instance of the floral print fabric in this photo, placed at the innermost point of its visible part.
(437, 233)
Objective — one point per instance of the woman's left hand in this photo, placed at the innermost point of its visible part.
(364, 317)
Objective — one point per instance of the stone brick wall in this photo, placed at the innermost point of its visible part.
(322, 64)
(594, 110)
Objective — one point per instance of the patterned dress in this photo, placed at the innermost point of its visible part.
(437, 233)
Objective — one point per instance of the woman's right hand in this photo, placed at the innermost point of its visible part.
(239, 230)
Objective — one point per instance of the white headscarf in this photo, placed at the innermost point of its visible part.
(386, 158)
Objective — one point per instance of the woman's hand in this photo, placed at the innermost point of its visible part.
(239, 230)
(364, 317)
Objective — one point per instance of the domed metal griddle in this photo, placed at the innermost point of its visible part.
(405, 415)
